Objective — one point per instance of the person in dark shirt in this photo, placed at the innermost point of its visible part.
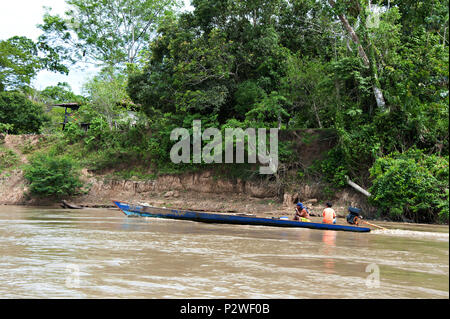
(354, 217)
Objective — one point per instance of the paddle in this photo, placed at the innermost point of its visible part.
(363, 221)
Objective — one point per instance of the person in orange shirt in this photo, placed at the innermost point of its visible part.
(329, 215)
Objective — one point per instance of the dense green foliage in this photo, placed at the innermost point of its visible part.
(109, 32)
(22, 115)
(21, 59)
(290, 65)
(60, 93)
(413, 184)
(374, 72)
(51, 176)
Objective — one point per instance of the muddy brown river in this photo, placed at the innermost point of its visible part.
(101, 253)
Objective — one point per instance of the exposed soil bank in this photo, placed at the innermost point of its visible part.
(197, 191)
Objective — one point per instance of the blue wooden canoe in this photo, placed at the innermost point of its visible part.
(149, 211)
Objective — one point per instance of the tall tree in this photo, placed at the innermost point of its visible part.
(366, 59)
(21, 59)
(106, 32)
(107, 94)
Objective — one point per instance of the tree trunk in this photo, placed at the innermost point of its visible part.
(358, 188)
(378, 94)
(316, 112)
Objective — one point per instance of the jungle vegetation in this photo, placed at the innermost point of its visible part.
(376, 72)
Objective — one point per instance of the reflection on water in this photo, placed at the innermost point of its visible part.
(329, 240)
(100, 253)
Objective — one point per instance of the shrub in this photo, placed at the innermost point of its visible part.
(6, 127)
(332, 168)
(411, 184)
(73, 133)
(99, 134)
(7, 158)
(23, 115)
(51, 176)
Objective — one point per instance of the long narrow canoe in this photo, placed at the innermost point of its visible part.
(149, 211)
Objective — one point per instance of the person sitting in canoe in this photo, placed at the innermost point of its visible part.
(329, 215)
(354, 217)
(301, 213)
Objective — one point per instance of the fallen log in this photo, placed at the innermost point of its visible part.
(65, 204)
(357, 187)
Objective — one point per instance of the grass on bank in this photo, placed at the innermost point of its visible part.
(8, 159)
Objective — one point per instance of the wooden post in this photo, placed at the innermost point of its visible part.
(65, 118)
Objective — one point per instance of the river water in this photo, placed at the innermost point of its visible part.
(101, 253)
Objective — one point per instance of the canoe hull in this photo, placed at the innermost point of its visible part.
(148, 211)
